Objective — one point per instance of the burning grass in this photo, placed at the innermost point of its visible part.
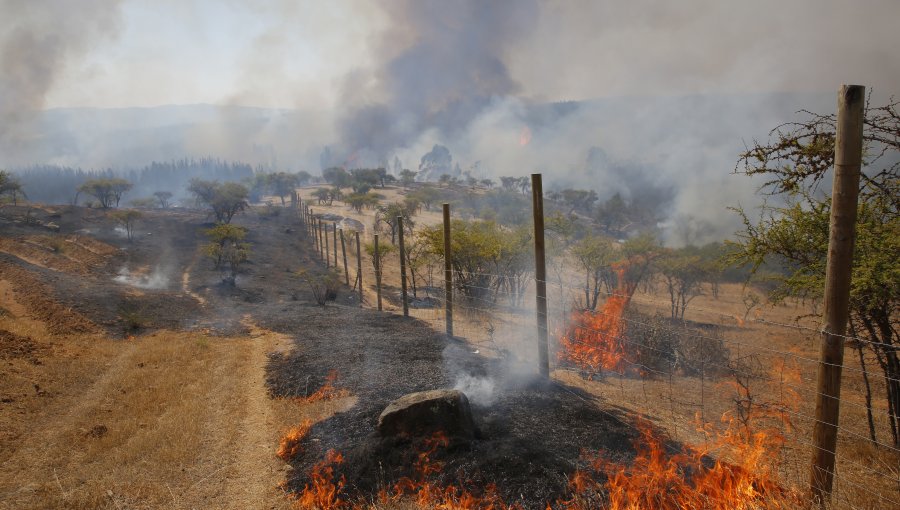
(660, 477)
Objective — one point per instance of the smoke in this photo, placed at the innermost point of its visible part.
(37, 40)
(158, 279)
(441, 64)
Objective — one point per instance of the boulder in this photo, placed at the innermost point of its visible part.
(427, 412)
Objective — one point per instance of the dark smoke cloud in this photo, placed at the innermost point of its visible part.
(443, 63)
(37, 39)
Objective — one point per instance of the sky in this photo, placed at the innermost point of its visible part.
(302, 53)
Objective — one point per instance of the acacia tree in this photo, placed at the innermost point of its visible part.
(794, 163)
(595, 255)
(107, 191)
(225, 200)
(683, 273)
(163, 197)
(127, 220)
(10, 186)
(227, 246)
(386, 219)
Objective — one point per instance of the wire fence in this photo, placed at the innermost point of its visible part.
(759, 367)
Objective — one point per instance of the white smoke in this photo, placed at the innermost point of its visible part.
(157, 279)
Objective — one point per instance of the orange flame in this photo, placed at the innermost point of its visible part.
(289, 446)
(328, 391)
(524, 136)
(323, 492)
(595, 340)
(689, 479)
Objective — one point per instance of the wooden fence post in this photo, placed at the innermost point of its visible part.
(321, 242)
(841, 238)
(324, 227)
(359, 268)
(402, 268)
(448, 274)
(540, 274)
(334, 238)
(344, 255)
(377, 258)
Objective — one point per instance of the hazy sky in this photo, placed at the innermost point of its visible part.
(300, 53)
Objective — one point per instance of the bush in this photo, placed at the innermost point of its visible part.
(324, 284)
(664, 345)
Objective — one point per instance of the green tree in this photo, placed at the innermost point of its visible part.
(337, 176)
(407, 177)
(282, 184)
(10, 186)
(683, 273)
(227, 246)
(164, 198)
(794, 163)
(386, 219)
(323, 196)
(127, 219)
(107, 191)
(595, 256)
(225, 200)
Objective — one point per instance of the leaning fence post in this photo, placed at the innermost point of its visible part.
(402, 267)
(448, 274)
(359, 268)
(377, 258)
(540, 273)
(344, 255)
(841, 238)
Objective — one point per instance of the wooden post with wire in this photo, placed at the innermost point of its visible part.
(402, 267)
(377, 258)
(848, 145)
(344, 255)
(540, 274)
(321, 236)
(324, 227)
(359, 278)
(334, 238)
(448, 274)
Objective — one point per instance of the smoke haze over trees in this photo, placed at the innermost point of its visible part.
(645, 101)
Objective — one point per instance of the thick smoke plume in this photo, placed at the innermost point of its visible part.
(37, 39)
(443, 64)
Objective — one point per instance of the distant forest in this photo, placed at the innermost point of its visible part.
(52, 184)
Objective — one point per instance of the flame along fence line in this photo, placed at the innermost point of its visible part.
(495, 314)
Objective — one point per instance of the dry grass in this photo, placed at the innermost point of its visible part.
(171, 420)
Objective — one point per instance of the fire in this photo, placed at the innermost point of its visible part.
(524, 136)
(323, 492)
(689, 479)
(427, 494)
(595, 341)
(328, 391)
(289, 446)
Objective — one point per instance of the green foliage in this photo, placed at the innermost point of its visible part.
(407, 178)
(386, 219)
(108, 192)
(144, 203)
(795, 235)
(225, 200)
(226, 246)
(10, 187)
(595, 256)
(486, 258)
(323, 284)
(358, 201)
(127, 219)
(164, 198)
(683, 272)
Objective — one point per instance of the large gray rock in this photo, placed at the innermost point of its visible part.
(426, 412)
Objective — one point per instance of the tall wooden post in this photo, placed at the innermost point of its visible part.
(402, 267)
(540, 274)
(841, 238)
(344, 255)
(359, 268)
(321, 242)
(448, 274)
(334, 238)
(376, 257)
(324, 227)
